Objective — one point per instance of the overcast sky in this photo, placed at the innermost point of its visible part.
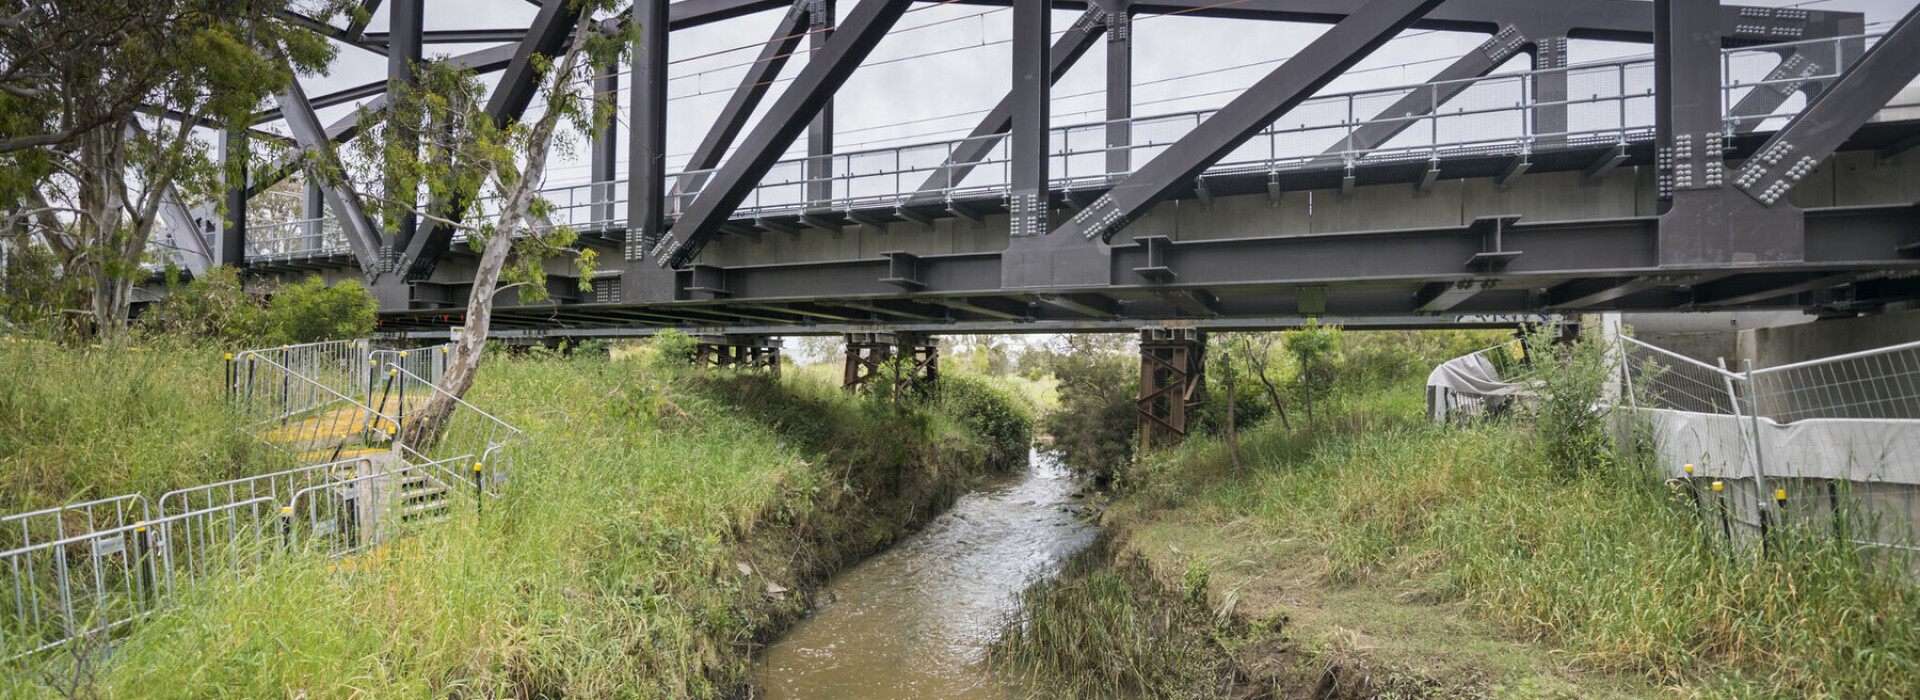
(943, 65)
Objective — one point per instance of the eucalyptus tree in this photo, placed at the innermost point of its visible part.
(433, 152)
(107, 108)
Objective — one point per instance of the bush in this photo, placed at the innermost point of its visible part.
(309, 311)
(217, 306)
(213, 306)
(1570, 420)
(1095, 425)
(672, 348)
(1001, 415)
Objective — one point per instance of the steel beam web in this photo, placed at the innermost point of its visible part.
(826, 71)
(1281, 90)
(985, 136)
(1814, 133)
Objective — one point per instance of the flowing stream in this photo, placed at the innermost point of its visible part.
(915, 621)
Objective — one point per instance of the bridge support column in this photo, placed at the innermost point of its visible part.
(1550, 90)
(868, 354)
(641, 280)
(1173, 379)
(749, 352)
(233, 240)
(820, 130)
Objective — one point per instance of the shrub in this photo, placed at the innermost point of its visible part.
(1570, 420)
(213, 306)
(310, 311)
(672, 348)
(999, 414)
(1095, 424)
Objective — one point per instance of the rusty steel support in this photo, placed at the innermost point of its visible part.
(743, 352)
(1173, 379)
(868, 354)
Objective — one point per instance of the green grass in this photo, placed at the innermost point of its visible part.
(86, 423)
(1605, 566)
(616, 566)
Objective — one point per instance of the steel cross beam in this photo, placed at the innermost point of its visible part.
(548, 36)
(1444, 86)
(1835, 114)
(981, 141)
(361, 235)
(1610, 20)
(746, 98)
(1287, 86)
(826, 71)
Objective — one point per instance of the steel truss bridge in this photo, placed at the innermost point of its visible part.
(1756, 160)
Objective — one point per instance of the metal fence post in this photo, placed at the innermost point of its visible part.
(1759, 459)
(143, 555)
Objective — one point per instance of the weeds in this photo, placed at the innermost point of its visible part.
(649, 513)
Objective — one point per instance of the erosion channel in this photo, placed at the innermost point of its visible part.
(916, 620)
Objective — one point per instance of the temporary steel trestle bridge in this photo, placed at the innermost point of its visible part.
(1692, 180)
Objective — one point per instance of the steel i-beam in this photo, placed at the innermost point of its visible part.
(985, 136)
(1028, 197)
(826, 71)
(1834, 115)
(359, 231)
(646, 157)
(547, 37)
(1328, 56)
(746, 98)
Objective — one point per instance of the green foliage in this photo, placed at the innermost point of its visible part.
(1533, 529)
(214, 306)
(1316, 351)
(32, 290)
(311, 311)
(999, 414)
(612, 567)
(1571, 415)
(79, 153)
(79, 424)
(672, 348)
(1112, 628)
(1094, 426)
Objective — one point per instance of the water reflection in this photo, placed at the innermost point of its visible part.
(915, 621)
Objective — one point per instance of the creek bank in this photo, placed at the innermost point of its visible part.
(917, 619)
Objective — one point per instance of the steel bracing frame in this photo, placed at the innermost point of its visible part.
(1709, 247)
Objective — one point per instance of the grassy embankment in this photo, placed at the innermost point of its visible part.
(660, 524)
(86, 423)
(1377, 556)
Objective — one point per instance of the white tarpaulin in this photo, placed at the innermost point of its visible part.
(1469, 385)
(1857, 449)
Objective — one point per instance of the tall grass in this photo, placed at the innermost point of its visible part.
(659, 525)
(84, 423)
(1607, 562)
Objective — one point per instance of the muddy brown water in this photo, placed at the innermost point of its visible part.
(915, 621)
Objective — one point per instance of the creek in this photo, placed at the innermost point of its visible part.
(916, 620)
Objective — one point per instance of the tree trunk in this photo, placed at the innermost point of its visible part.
(465, 358)
(1260, 372)
(1233, 429)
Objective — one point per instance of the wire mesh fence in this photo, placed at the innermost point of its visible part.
(1832, 443)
